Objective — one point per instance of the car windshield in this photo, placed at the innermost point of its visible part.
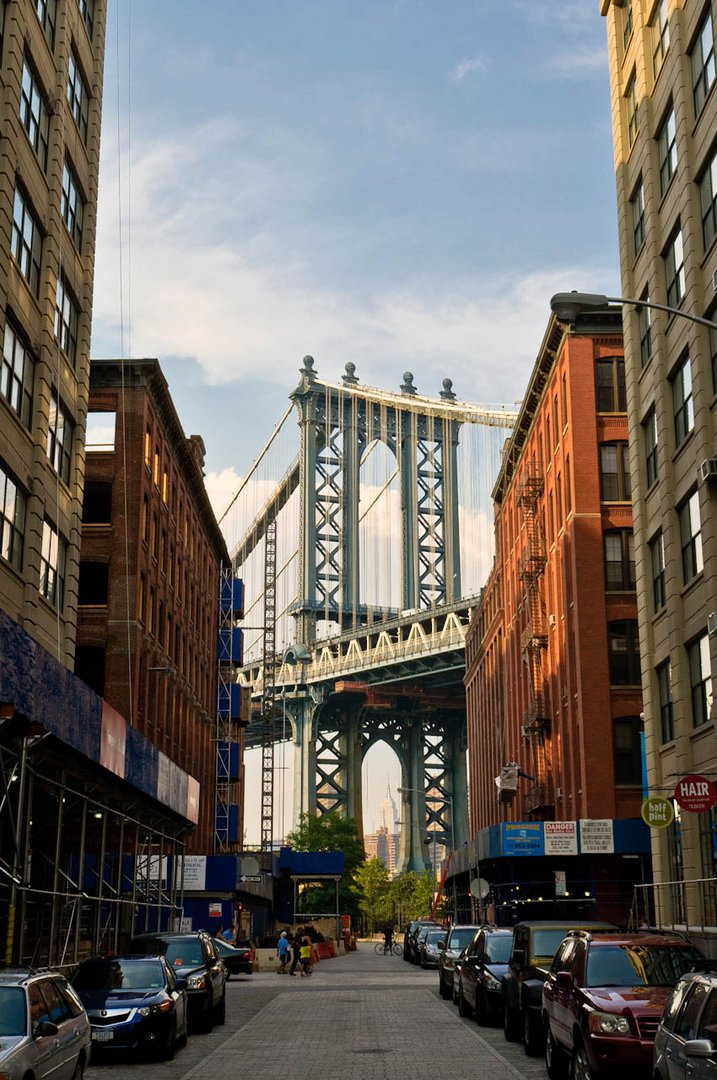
(185, 953)
(435, 935)
(638, 965)
(120, 975)
(13, 1011)
(498, 948)
(461, 937)
(545, 942)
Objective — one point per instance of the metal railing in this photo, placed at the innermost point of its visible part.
(686, 905)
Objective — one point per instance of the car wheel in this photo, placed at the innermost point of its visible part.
(533, 1034)
(556, 1060)
(444, 989)
(511, 1024)
(166, 1053)
(220, 1012)
(79, 1072)
(482, 1011)
(463, 1007)
(206, 1020)
(581, 1064)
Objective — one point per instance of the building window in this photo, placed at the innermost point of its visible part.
(644, 324)
(26, 243)
(650, 429)
(46, 13)
(140, 598)
(77, 95)
(97, 503)
(627, 746)
(700, 680)
(150, 612)
(18, 370)
(657, 558)
(682, 405)
(660, 28)
(713, 355)
(610, 378)
(664, 690)
(93, 587)
(624, 653)
(12, 520)
(73, 206)
(619, 560)
(100, 431)
(90, 666)
(614, 472)
(703, 62)
(559, 500)
(637, 203)
(155, 471)
(674, 258)
(33, 113)
(708, 202)
(631, 106)
(87, 11)
(691, 538)
(66, 319)
(568, 491)
(145, 519)
(59, 438)
(165, 486)
(667, 149)
(53, 557)
(148, 446)
(626, 23)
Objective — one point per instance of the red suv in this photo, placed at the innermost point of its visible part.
(603, 999)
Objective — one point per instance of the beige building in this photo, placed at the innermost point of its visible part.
(664, 107)
(51, 65)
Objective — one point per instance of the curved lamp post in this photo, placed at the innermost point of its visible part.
(568, 305)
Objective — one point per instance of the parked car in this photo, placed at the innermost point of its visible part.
(133, 1003)
(237, 959)
(409, 939)
(534, 946)
(483, 966)
(686, 1039)
(431, 946)
(44, 1030)
(603, 999)
(420, 939)
(459, 937)
(194, 957)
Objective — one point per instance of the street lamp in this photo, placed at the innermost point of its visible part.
(568, 305)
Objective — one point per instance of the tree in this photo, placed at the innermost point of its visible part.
(412, 896)
(331, 832)
(374, 894)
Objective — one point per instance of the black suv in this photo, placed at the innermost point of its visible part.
(192, 957)
(410, 951)
(534, 946)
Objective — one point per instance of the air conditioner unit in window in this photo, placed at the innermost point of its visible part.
(525, 731)
(712, 622)
(558, 793)
(551, 620)
(708, 469)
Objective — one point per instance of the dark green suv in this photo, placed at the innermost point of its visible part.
(534, 946)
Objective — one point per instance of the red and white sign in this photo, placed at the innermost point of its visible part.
(561, 837)
(695, 794)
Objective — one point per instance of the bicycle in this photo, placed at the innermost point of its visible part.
(381, 949)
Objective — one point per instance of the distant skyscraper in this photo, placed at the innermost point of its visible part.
(388, 813)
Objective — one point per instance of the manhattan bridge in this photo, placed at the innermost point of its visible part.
(363, 534)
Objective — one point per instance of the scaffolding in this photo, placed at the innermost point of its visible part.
(269, 689)
(230, 714)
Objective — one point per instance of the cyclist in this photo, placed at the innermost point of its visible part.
(388, 939)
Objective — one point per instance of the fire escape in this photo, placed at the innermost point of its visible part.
(534, 643)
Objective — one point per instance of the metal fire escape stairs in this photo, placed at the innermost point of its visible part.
(534, 643)
(268, 702)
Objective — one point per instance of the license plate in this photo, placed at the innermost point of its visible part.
(103, 1036)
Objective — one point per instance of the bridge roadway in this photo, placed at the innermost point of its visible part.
(359, 1017)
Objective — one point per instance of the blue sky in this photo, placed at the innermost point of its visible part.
(398, 183)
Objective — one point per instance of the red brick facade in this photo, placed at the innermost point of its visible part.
(552, 675)
(149, 574)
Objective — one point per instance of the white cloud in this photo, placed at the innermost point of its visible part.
(578, 61)
(467, 66)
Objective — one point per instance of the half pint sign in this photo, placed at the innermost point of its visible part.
(695, 794)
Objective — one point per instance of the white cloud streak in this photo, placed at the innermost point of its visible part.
(468, 66)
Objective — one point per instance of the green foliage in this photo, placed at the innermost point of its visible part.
(385, 903)
(329, 832)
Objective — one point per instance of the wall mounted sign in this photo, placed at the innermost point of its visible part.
(657, 812)
(695, 794)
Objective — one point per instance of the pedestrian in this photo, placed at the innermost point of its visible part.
(295, 953)
(282, 951)
(228, 935)
(305, 956)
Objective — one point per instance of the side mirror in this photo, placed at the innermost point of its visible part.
(564, 980)
(442, 944)
(44, 1030)
(181, 984)
(699, 1048)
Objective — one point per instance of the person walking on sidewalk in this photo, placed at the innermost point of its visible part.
(282, 951)
(295, 953)
(305, 956)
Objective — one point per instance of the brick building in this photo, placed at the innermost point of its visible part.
(553, 666)
(149, 573)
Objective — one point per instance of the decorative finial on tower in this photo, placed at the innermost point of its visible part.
(407, 386)
(308, 375)
(447, 391)
(349, 379)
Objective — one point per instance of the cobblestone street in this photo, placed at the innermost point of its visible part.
(358, 1016)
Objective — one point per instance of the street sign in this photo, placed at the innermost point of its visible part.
(695, 794)
(255, 878)
(560, 882)
(657, 812)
